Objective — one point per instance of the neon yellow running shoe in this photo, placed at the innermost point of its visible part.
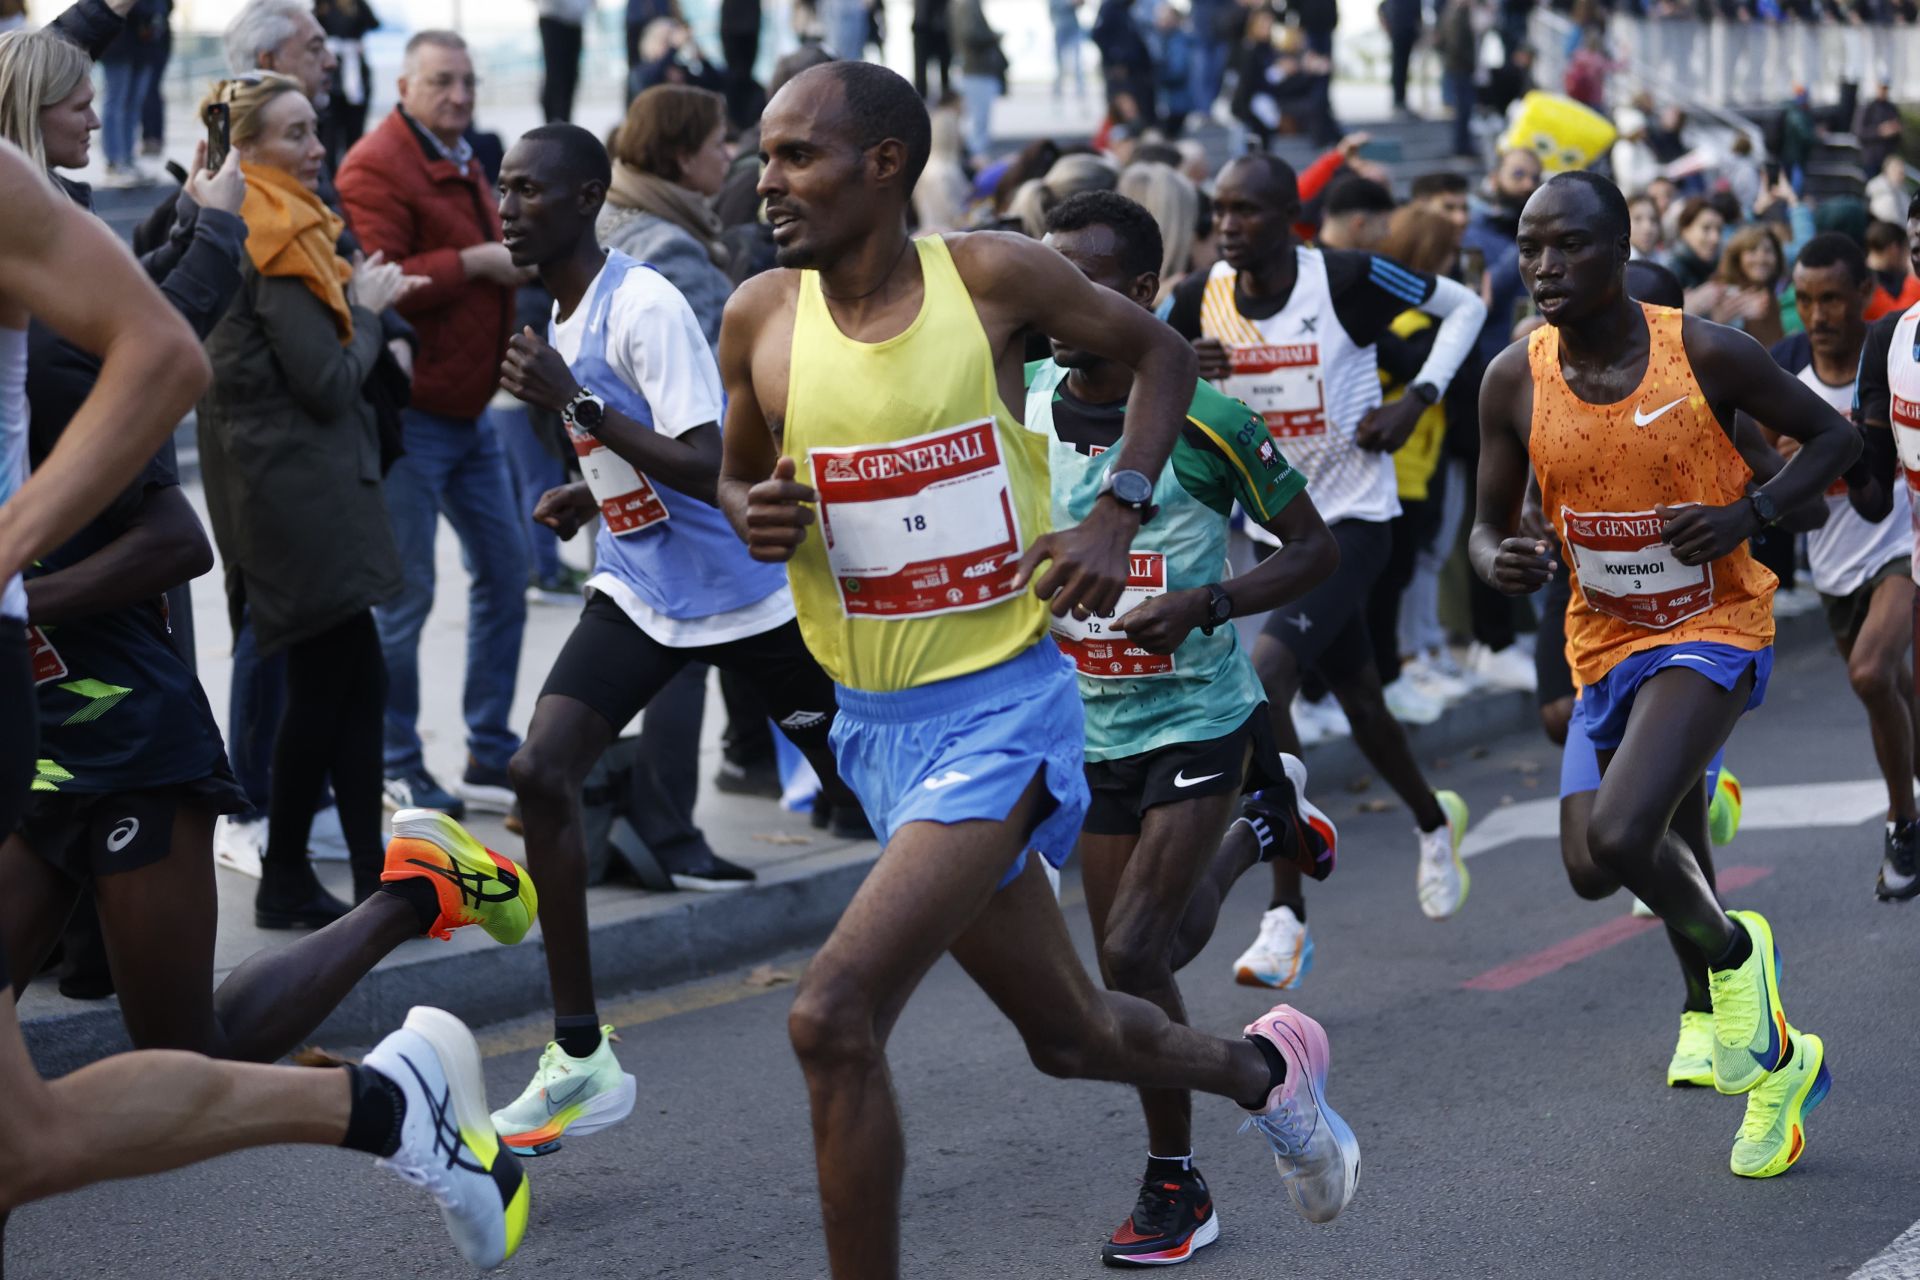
(475, 885)
(1723, 810)
(1693, 1056)
(1773, 1133)
(1749, 1027)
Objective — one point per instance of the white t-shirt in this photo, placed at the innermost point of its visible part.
(1849, 549)
(655, 344)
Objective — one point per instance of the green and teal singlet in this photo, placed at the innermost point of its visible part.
(1137, 701)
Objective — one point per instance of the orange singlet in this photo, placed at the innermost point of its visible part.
(1603, 468)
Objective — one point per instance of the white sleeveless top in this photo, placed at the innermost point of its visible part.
(1848, 549)
(13, 447)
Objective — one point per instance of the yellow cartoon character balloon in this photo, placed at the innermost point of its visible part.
(1565, 134)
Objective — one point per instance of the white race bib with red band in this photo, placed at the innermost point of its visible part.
(1100, 651)
(921, 526)
(47, 663)
(1627, 572)
(1906, 439)
(627, 499)
(1282, 384)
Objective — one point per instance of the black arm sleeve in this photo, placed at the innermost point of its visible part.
(1370, 291)
(1873, 397)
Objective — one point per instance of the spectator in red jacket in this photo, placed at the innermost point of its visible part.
(414, 191)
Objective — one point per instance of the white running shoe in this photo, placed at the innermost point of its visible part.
(1437, 682)
(1508, 668)
(447, 1145)
(239, 844)
(1327, 714)
(1442, 879)
(1409, 705)
(1306, 722)
(1281, 955)
(568, 1097)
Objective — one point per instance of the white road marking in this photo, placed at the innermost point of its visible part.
(1898, 1261)
(1783, 808)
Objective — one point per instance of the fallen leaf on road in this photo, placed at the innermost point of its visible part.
(766, 975)
(1480, 753)
(781, 837)
(1359, 783)
(1375, 805)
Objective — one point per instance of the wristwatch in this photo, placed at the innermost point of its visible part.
(1130, 489)
(1425, 392)
(1763, 508)
(585, 411)
(1219, 609)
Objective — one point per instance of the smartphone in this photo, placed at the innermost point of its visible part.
(1473, 265)
(216, 135)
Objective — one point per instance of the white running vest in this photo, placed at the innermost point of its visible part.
(1903, 381)
(1312, 383)
(1848, 549)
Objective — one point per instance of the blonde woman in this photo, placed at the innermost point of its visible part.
(1069, 176)
(1174, 203)
(291, 460)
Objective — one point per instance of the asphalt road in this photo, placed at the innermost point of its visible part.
(1523, 1132)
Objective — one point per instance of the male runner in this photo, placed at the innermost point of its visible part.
(1627, 412)
(880, 368)
(417, 1102)
(628, 370)
(1291, 331)
(1862, 569)
(1885, 403)
(1692, 1060)
(1176, 729)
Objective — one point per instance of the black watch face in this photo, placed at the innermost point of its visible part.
(588, 414)
(1132, 488)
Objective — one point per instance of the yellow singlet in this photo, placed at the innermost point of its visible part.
(930, 490)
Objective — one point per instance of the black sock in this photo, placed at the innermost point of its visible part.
(1298, 902)
(1276, 1071)
(1736, 954)
(418, 894)
(578, 1035)
(375, 1113)
(1169, 1168)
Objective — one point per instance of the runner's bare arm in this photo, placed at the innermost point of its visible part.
(690, 462)
(757, 492)
(63, 266)
(162, 546)
(1737, 374)
(1019, 283)
(1308, 555)
(1514, 564)
(1764, 458)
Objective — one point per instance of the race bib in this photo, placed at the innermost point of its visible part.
(1626, 572)
(48, 665)
(1906, 439)
(1097, 649)
(919, 527)
(1282, 384)
(627, 499)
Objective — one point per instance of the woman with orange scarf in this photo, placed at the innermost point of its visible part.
(291, 459)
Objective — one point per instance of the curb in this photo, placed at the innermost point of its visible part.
(647, 941)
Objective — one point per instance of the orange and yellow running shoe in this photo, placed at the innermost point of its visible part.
(475, 885)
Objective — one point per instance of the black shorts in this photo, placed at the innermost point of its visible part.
(1553, 678)
(84, 835)
(1125, 789)
(1847, 614)
(1326, 629)
(616, 668)
(19, 741)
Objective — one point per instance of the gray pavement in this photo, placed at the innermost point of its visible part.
(1521, 1132)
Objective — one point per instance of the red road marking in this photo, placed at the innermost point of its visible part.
(1551, 959)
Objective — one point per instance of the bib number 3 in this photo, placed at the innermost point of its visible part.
(919, 527)
(1627, 572)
